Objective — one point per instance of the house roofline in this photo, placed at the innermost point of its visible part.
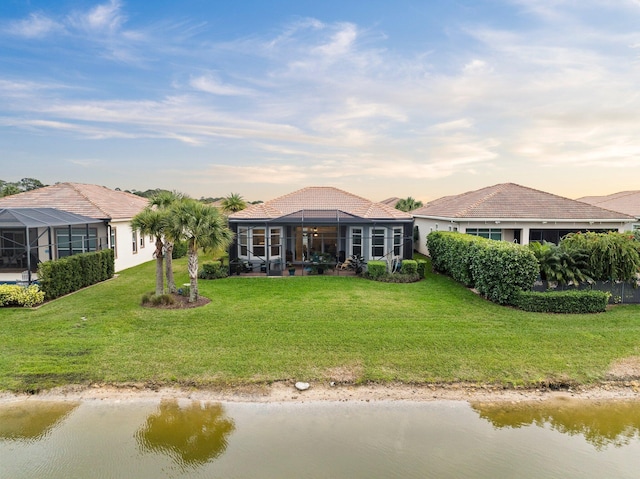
(529, 220)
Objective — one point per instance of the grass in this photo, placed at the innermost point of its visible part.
(259, 330)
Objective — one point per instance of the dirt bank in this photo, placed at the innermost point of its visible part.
(286, 392)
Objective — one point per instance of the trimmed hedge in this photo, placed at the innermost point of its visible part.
(409, 266)
(577, 302)
(376, 269)
(497, 269)
(65, 275)
(16, 295)
(452, 254)
(422, 268)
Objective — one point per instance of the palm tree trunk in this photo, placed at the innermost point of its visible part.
(159, 268)
(192, 265)
(171, 283)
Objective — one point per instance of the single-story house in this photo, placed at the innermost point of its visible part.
(111, 212)
(510, 212)
(313, 221)
(627, 202)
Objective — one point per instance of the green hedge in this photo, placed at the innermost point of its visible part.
(497, 269)
(65, 275)
(563, 301)
(376, 269)
(409, 266)
(422, 268)
(452, 254)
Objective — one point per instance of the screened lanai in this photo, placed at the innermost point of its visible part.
(29, 236)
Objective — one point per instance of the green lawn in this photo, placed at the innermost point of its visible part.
(304, 328)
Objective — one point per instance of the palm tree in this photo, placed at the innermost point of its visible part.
(201, 226)
(162, 201)
(233, 203)
(153, 222)
(408, 204)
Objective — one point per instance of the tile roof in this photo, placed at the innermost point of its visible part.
(87, 200)
(511, 201)
(320, 198)
(627, 202)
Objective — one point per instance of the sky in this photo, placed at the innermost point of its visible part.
(404, 98)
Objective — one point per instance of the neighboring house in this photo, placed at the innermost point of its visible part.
(28, 235)
(111, 209)
(511, 212)
(319, 220)
(393, 201)
(627, 202)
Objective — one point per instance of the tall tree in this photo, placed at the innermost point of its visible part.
(201, 226)
(153, 222)
(408, 204)
(9, 189)
(233, 203)
(28, 184)
(163, 200)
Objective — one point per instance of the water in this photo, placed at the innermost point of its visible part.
(443, 439)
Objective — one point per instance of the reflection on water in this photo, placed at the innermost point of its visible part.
(151, 439)
(32, 421)
(191, 435)
(602, 424)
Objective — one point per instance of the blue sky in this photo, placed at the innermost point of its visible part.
(403, 98)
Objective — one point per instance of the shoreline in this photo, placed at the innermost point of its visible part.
(285, 392)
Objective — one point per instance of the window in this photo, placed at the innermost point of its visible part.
(257, 241)
(356, 241)
(397, 241)
(141, 241)
(377, 242)
(252, 242)
(243, 235)
(490, 233)
(275, 242)
(114, 243)
(78, 243)
(134, 241)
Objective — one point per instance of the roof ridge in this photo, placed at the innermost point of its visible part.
(496, 189)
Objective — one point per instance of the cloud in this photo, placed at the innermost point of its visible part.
(106, 17)
(211, 84)
(37, 25)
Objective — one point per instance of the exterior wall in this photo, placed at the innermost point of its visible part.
(125, 255)
(343, 241)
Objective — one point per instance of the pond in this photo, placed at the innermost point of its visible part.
(195, 439)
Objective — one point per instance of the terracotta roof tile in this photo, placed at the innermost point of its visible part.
(511, 201)
(320, 198)
(88, 200)
(627, 202)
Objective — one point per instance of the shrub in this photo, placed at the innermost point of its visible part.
(612, 256)
(422, 268)
(496, 268)
(376, 269)
(409, 266)
(213, 271)
(157, 299)
(65, 275)
(501, 269)
(563, 301)
(16, 295)
(179, 249)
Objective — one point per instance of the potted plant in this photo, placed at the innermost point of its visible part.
(292, 269)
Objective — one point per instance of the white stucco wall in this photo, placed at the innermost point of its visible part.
(125, 256)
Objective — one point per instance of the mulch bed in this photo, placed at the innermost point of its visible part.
(180, 302)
